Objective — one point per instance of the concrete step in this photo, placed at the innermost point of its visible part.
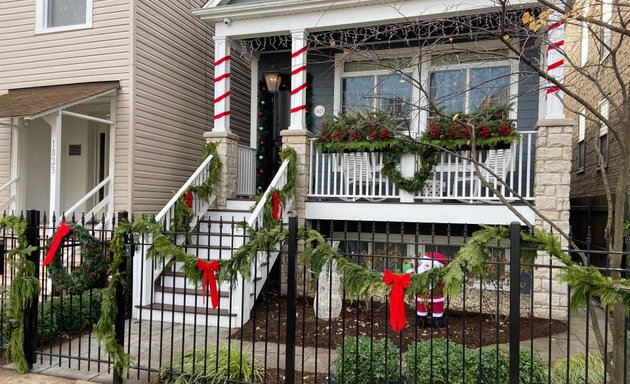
(173, 296)
(241, 204)
(226, 216)
(218, 239)
(189, 315)
(170, 279)
(225, 226)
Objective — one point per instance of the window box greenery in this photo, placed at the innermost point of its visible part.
(493, 129)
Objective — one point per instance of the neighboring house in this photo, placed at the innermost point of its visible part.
(103, 92)
(600, 87)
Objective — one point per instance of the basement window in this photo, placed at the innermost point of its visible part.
(62, 15)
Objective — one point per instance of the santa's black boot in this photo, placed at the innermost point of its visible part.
(437, 322)
(421, 321)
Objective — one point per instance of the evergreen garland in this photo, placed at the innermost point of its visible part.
(428, 160)
(93, 263)
(24, 288)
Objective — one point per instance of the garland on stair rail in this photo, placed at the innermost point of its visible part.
(24, 287)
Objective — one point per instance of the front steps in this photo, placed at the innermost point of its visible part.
(177, 300)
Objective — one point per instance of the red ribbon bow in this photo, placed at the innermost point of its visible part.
(188, 197)
(399, 283)
(277, 206)
(62, 231)
(209, 269)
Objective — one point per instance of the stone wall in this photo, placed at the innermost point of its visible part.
(552, 188)
(227, 152)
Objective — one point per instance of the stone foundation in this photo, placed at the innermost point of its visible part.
(227, 154)
(552, 185)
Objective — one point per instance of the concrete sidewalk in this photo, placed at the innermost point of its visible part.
(8, 376)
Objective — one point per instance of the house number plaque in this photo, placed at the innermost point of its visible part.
(53, 157)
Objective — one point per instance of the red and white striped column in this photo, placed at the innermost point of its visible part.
(554, 109)
(298, 80)
(221, 84)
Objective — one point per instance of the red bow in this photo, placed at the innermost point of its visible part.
(62, 231)
(397, 298)
(188, 197)
(277, 206)
(208, 269)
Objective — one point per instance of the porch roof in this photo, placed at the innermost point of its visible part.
(38, 101)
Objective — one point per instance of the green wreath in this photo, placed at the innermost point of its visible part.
(92, 268)
(415, 183)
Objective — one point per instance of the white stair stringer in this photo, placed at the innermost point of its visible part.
(175, 299)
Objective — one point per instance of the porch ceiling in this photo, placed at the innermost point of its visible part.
(35, 102)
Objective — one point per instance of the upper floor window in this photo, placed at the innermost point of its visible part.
(581, 155)
(59, 15)
(605, 33)
(585, 37)
(602, 143)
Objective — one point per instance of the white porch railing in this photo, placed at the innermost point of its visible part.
(352, 176)
(246, 170)
(167, 216)
(8, 186)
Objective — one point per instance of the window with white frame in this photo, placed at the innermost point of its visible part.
(602, 143)
(581, 153)
(585, 38)
(378, 86)
(59, 15)
(605, 33)
(468, 86)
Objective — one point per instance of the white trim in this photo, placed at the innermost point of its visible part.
(604, 110)
(260, 18)
(112, 158)
(54, 120)
(41, 18)
(86, 117)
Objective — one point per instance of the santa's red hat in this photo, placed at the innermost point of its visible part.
(437, 257)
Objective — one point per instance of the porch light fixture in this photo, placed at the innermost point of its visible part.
(273, 81)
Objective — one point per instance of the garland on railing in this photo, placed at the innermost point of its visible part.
(183, 206)
(163, 247)
(24, 288)
(428, 159)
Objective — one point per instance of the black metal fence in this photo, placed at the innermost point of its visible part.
(286, 326)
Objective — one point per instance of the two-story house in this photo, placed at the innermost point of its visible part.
(103, 104)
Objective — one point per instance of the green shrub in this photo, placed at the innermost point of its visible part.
(209, 367)
(58, 317)
(439, 361)
(429, 362)
(363, 360)
(577, 369)
(532, 368)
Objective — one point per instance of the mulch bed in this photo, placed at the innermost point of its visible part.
(268, 323)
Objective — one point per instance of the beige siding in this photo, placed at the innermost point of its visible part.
(100, 53)
(173, 99)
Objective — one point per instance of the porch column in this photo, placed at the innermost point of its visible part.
(298, 80)
(54, 120)
(221, 84)
(553, 97)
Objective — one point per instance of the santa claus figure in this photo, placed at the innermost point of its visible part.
(435, 300)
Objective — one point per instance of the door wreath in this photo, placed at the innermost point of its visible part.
(93, 264)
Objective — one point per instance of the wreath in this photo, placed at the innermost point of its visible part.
(415, 183)
(92, 268)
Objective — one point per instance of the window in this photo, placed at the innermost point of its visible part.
(584, 48)
(581, 153)
(59, 15)
(602, 143)
(383, 87)
(605, 33)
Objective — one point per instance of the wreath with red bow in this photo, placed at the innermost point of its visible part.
(90, 256)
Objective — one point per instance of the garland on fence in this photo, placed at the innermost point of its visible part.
(24, 288)
(183, 206)
(93, 264)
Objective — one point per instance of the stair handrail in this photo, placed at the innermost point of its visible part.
(279, 181)
(11, 198)
(87, 196)
(145, 283)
